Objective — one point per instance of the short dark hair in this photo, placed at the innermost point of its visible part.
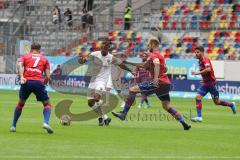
(199, 48)
(36, 46)
(106, 41)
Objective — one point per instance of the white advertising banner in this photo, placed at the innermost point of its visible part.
(218, 67)
(9, 81)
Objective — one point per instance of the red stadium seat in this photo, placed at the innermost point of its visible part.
(219, 11)
(232, 24)
(223, 17)
(202, 25)
(210, 46)
(234, 17)
(237, 40)
(174, 25)
(217, 34)
(221, 1)
(187, 11)
(166, 18)
(165, 24)
(184, 24)
(238, 7)
(209, 51)
(183, 7)
(197, 7)
(237, 34)
(220, 50)
(227, 34)
(205, 12)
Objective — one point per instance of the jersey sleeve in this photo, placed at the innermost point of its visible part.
(116, 61)
(207, 62)
(21, 59)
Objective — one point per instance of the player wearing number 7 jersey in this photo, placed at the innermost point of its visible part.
(31, 67)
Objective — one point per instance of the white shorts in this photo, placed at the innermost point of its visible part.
(96, 87)
(109, 83)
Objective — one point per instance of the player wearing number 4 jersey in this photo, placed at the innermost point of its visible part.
(208, 85)
(31, 68)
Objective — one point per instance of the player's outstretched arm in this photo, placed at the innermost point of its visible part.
(124, 67)
(141, 64)
(121, 64)
(206, 70)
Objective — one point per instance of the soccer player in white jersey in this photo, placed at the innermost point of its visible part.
(101, 70)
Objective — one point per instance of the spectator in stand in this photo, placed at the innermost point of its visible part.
(87, 7)
(84, 19)
(68, 15)
(56, 15)
(127, 17)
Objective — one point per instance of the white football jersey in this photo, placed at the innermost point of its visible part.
(101, 67)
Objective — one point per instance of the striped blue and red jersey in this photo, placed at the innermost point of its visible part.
(209, 77)
(142, 75)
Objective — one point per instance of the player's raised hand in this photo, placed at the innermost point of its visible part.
(22, 80)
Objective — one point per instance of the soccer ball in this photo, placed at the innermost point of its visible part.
(65, 120)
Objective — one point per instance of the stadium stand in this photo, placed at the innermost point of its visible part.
(207, 14)
(216, 21)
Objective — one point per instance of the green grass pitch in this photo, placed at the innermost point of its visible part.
(141, 137)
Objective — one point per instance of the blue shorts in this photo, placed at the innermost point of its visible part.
(33, 86)
(161, 90)
(203, 90)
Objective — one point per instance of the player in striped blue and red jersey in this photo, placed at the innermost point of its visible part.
(208, 84)
(31, 67)
(143, 75)
(159, 84)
